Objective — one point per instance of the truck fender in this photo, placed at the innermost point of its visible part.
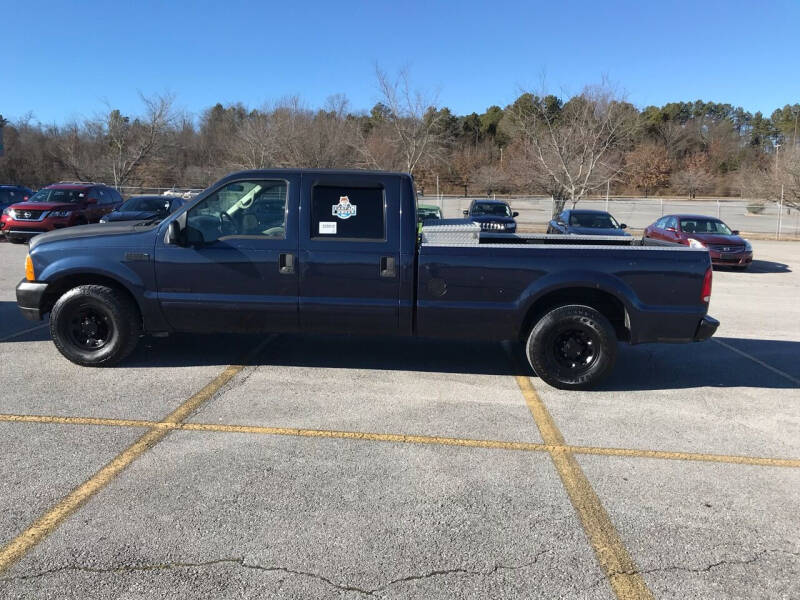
(564, 280)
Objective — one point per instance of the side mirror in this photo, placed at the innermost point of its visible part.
(623, 226)
(672, 229)
(466, 213)
(735, 232)
(515, 214)
(174, 233)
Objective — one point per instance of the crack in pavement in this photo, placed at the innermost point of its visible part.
(241, 562)
(706, 569)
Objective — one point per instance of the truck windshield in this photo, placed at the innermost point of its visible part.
(593, 220)
(491, 208)
(705, 226)
(71, 196)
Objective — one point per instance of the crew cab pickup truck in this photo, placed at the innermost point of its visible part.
(339, 252)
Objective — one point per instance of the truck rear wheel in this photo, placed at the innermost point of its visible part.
(95, 325)
(572, 347)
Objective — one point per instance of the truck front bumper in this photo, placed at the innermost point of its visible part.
(706, 328)
(29, 299)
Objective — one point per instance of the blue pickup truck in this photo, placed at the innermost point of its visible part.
(339, 252)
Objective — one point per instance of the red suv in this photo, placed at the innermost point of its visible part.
(59, 205)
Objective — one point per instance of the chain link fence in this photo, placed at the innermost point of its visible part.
(760, 218)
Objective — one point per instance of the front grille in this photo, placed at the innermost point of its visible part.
(493, 226)
(27, 215)
(726, 249)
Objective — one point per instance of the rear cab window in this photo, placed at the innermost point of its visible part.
(348, 213)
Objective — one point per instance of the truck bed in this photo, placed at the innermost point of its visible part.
(498, 281)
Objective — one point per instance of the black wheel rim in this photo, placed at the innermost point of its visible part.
(575, 350)
(89, 328)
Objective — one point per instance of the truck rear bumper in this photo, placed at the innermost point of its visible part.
(29, 299)
(706, 328)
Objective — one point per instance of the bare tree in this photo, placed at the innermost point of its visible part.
(575, 147)
(647, 167)
(410, 125)
(789, 178)
(132, 143)
(254, 144)
(694, 177)
(779, 176)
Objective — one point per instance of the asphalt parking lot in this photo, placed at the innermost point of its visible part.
(316, 467)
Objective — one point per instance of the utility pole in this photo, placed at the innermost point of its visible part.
(608, 186)
(780, 215)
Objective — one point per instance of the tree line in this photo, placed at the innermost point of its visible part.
(590, 143)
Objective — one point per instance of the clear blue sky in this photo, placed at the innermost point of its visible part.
(65, 60)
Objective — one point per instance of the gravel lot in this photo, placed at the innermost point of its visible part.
(316, 467)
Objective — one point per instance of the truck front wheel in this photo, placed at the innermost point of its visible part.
(572, 347)
(95, 325)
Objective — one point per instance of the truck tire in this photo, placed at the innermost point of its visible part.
(95, 325)
(572, 347)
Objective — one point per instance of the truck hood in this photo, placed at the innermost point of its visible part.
(82, 232)
(596, 231)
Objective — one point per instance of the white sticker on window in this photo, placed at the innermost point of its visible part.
(327, 227)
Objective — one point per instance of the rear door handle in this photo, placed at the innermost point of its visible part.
(388, 266)
(286, 263)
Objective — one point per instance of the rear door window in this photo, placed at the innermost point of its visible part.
(348, 213)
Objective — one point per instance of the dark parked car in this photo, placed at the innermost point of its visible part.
(315, 251)
(59, 205)
(142, 208)
(492, 215)
(724, 246)
(11, 194)
(586, 222)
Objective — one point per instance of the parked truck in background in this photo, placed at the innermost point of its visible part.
(338, 252)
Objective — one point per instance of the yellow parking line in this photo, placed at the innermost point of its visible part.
(617, 564)
(402, 438)
(5, 418)
(691, 456)
(48, 522)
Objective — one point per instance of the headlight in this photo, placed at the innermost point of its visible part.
(747, 246)
(9, 212)
(60, 213)
(693, 243)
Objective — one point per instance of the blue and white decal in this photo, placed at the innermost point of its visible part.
(344, 210)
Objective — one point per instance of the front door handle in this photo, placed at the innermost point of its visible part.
(286, 263)
(388, 268)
